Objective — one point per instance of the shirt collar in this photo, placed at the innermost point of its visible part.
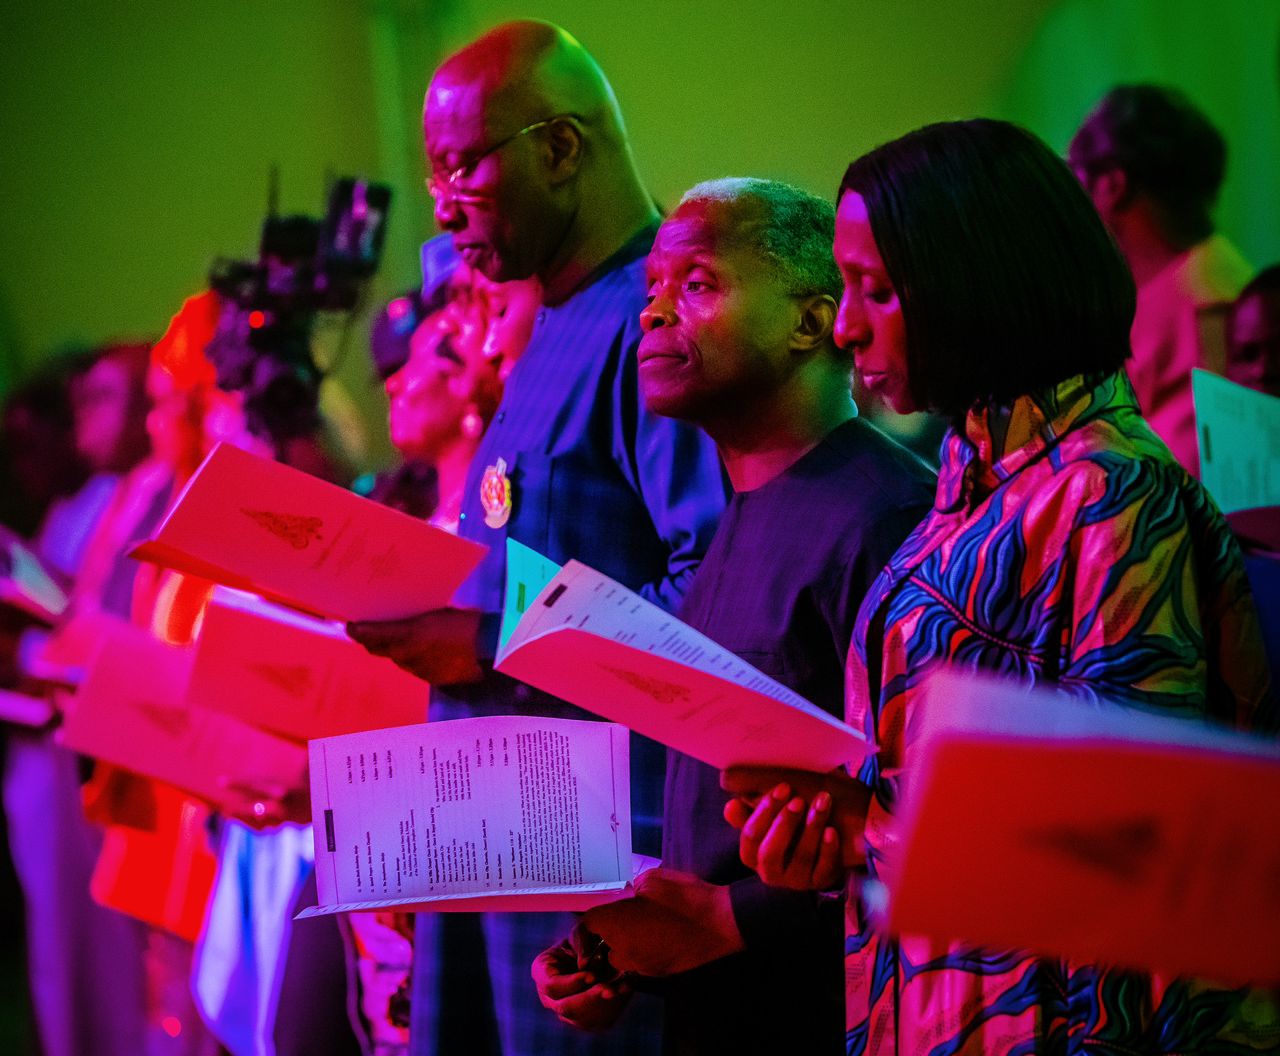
(997, 441)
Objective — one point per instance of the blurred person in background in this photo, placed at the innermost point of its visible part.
(1253, 360)
(40, 464)
(41, 486)
(444, 357)
(39, 469)
(1153, 164)
(410, 485)
(250, 967)
(444, 396)
(262, 996)
(86, 963)
(1253, 334)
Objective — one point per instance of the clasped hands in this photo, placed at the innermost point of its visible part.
(799, 829)
(675, 923)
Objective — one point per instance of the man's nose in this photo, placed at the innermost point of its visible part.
(658, 312)
(449, 215)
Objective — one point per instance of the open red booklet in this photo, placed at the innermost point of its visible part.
(295, 675)
(131, 710)
(264, 527)
(587, 639)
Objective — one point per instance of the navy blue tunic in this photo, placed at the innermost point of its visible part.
(780, 587)
(596, 477)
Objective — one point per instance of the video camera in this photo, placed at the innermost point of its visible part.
(262, 346)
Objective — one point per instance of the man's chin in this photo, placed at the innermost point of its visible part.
(491, 264)
(669, 401)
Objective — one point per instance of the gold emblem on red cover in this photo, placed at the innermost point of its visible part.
(662, 691)
(293, 679)
(296, 530)
(495, 494)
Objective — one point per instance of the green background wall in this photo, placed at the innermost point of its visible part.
(138, 136)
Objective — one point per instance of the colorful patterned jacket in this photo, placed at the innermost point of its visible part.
(1066, 545)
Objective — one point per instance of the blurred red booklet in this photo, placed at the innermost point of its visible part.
(1089, 831)
(131, 710)
(261, 526)
(295, 675)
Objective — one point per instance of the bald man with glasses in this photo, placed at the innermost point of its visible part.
(532, 175)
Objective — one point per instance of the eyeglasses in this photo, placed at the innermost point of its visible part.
(447, 185)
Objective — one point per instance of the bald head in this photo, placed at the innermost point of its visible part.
(531, 171)
(526, 71)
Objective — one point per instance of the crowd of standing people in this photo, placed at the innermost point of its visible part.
(673, 397)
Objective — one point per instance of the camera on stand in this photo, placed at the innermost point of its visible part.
(263, 344)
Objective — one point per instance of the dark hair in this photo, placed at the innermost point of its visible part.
(38, 457)
(1266, 282)
(1008, 280)
(133, 356)
(1166, 147)
(1265, 286)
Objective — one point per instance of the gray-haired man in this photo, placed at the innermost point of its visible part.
(737, 339)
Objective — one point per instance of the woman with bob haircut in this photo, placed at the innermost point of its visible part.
(1066, 546)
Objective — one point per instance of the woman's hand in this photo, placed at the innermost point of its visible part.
(799, 829)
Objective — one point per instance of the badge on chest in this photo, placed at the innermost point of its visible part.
(495, 494)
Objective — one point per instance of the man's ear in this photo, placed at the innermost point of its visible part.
(1110, 190)
(813, 325)
(562, 150)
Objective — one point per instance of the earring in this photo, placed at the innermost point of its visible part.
(472, 425)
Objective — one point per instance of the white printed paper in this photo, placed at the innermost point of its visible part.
(1239, 434)
(499, 813)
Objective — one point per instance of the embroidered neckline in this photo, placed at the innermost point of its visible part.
(997, 441)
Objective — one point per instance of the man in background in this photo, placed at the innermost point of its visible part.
(533, 177)
(1153, 165)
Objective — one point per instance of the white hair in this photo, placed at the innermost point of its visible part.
(795, 232)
